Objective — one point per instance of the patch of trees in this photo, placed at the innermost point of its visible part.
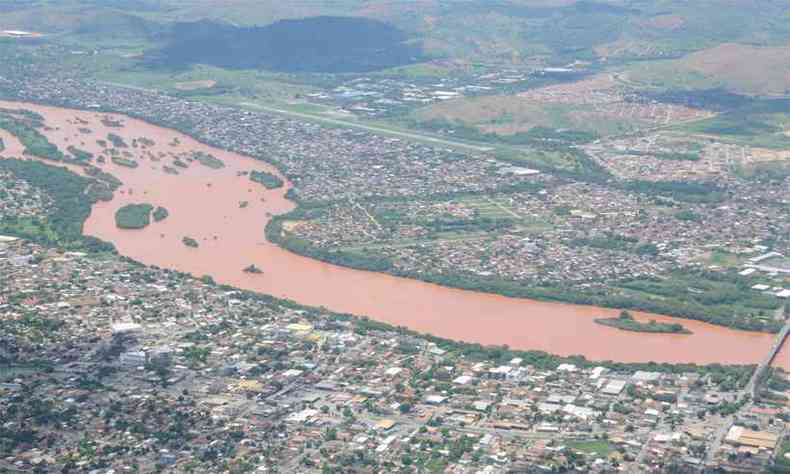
(111, 123)
(268, 180)
(120, 161)
(688, 215)
(620, 243)
(117, 140)
(274, 233)
(626, 322)
(607, 242)
(34, 142)
(209, 160)
(190, 242)
(544, 140)
(79, 155)
(71, 205)
(534, 136)
(111, 181)
(681, 190)
(315, 44)
(710, 99)
(160, 214)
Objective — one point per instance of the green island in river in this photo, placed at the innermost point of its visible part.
(133, 216)
(160, 214)
(268, 180)
(190, 242)
(626, 322)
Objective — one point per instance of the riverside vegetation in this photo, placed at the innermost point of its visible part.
(72, 197)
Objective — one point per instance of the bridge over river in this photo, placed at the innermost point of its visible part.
(754, 383)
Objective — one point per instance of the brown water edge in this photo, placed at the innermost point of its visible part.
(204, 204)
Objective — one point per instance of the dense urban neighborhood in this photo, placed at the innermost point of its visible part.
(163, 371)
(394, 237)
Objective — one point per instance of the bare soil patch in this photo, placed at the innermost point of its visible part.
(195, 85)
(745, 69)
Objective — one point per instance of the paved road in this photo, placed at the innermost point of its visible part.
(718, 438)
(343, 123)
(371, 128)
(752, 386)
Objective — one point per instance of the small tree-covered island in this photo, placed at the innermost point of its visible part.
(160, 214)
(268, 180)
(133, 216)
(190, 242)
(626, 322)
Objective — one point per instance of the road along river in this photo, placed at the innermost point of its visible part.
(209, 205)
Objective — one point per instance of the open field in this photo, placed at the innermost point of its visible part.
(508, 115)
(600, 105)
(708, 291)
(200, 80)
(195, 85)
(744, 69)
(761, 124)
(599, 448)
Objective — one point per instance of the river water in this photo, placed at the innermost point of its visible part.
(205, 204)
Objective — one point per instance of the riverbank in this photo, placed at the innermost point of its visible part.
(621, 298)
(204, 204)
(276, 233)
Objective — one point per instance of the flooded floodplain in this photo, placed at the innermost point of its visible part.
(226, 213)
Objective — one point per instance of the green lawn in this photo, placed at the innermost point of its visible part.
(782, 463)
(30, 229)
(595, 447)
(725, 259)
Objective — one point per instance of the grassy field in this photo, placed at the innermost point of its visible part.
(249, 84)
(29, 228)
(491, 208)
(599, 448)
(739, 68)
(423, 70)
(762, 123)
(733, 293)
(725, 259)
(508, 115)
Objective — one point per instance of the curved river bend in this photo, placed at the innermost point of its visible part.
(204, 204)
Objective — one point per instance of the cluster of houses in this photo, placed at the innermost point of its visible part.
(150, 369)
(584, 233)
(20, 200)
(324, 164)
(387, 95)
(669, 156)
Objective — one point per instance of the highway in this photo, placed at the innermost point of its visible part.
(370, 128)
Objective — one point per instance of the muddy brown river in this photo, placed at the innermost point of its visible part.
(204, 204)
